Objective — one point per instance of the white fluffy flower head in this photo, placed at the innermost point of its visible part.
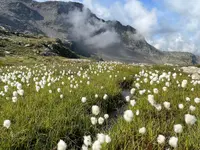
(128, 115)
(95, 110)
(142, 130)
(7, 123)
(190, 119)
(173, 142)
(161, 139)
(61, 145)
(178, 128)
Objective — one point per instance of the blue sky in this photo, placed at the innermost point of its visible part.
(170, 25)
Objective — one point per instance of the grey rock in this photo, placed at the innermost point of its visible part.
(191, 69)
(195, 76)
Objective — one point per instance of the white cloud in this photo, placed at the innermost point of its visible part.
(186, 7)
(97, 8)
(132, 12)
(84, 31)
(188, 12)
(142, 19)
(175, 42)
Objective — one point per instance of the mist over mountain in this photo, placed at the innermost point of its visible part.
(90, 35)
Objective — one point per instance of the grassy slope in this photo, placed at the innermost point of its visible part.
(20, 44)
(40, 119)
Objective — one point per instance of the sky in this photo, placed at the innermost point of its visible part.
(169, 25)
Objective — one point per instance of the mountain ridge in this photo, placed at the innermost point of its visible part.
(91, 35)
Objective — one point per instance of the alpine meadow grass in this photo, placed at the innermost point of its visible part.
(59, 104)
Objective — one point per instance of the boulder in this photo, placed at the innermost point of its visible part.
(195, 76)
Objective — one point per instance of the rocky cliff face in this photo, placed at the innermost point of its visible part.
(90, 35)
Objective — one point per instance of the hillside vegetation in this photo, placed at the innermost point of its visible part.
(20, 44)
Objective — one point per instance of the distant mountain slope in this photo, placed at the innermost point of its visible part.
(14, 43)
(90, 35)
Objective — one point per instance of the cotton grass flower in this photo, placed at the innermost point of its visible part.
(190, 119)
(155, 90)
(164, 89)
(37, 88)
(180, 106)
(93, 120)
(132, 91)
(61, 145)
(84, 147)
(14, 99)
(184, 83)
(141, 92)
(187, 99)
(197, 100)
(158, 107)
(87, 140)
(167, 105)
(106, 116)
(6, 88)
(173, 142)
(95, 110)
(101, 120)
(58, 90)
(15, 94)
(151, 100)
(20, 92)
(19, 86)
(107, 139)
(96, 96)
(132, 102)
(192, 108)
(128, 115)
(137, 112)
(105, 97)
(167, 84)
(61, 96)
(127, 98)
(7, 123)
(83, 99)
(96, 145)
(137, 85)
(178, 128)
(142, 130)
(161, 139)
(101, 138)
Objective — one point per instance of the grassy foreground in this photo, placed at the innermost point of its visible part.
(48, 105)
(40, 119)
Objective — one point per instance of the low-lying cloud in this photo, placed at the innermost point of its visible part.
(91, 31)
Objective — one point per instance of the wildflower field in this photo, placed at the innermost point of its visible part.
(51, 103)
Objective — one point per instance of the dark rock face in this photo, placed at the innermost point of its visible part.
(23, 12)
(90, 35)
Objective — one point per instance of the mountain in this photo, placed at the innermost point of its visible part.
(14, 43)
(90, 35)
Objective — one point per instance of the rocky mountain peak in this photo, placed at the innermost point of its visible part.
(89, 34)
